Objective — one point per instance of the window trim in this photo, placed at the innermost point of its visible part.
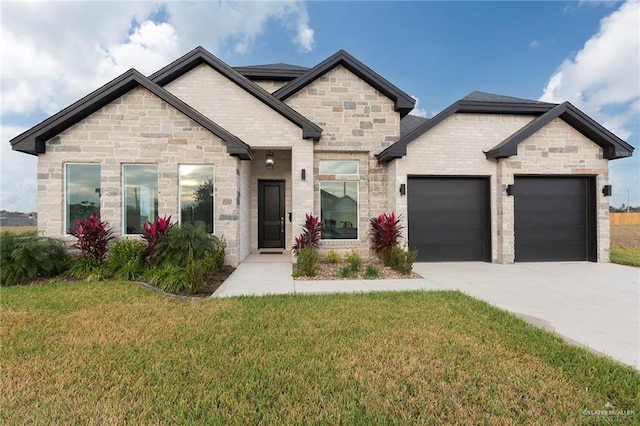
(124, 197)
(65, 208)
(357, 182)
(213, 176)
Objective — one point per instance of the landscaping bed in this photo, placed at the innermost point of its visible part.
(331, 271)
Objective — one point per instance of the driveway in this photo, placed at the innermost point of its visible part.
(596, 305)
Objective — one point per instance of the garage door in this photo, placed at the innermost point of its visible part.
(448, 218)
(554, 218)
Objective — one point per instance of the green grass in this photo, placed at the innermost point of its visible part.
(115, 352)
(626, 256)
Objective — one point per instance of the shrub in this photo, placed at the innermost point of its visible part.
(353, 258)
(346, 272)
(170, 278)
(333, 257)
(87, 269)
(371, 272)
(152, 232)
(28, 257)
(126, 259)
(198, 272)
(308, 261)
(385, 232)
(310, 236)
(400, 260)
(93, 237)
(185, 243)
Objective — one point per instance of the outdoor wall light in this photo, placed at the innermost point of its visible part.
(403, 189)
(269, 160)
(509, 190)
(303, 174)
(607, 191)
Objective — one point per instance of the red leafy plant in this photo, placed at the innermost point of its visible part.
(310, 236)
(385, 232)
(93, 237)
(152, 232)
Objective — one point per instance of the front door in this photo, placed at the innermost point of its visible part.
(270, 214)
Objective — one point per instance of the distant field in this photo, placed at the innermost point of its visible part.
(625, 236)
(18, 229)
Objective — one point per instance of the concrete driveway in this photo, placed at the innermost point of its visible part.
(596, 305)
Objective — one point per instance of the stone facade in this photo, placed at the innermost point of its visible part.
(358, 122)
(138, 128)
(455, 148)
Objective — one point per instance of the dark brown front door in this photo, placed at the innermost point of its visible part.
(271, 214)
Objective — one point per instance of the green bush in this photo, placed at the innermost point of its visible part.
(308, 261)
(185, 243)
(333, 257)
(353, 258)
(28, 257)
(346, 272)
(126, 259)
(371, 273)
(198, 272)
(170, 278)
(88, 269)
(400, 260)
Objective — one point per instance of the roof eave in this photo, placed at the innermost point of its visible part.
(200, 55)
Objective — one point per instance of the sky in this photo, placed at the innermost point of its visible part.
(585, 52)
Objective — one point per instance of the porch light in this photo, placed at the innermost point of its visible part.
(303, 174)
(606, 191)
(269, 161)
(403, 189)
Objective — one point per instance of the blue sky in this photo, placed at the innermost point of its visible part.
(584, 52)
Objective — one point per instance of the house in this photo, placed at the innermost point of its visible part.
(248, 151)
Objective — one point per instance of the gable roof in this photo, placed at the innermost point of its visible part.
(200, 55)
(612, 146)
(403, 102)
(410, 122)
(279, 71)
(488, 103)
(33, 140)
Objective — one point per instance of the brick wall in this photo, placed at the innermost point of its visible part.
(138, 128)
(358, 122)
(234, 109)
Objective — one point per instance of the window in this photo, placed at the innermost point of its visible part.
(339, 209)
(82, 190)
(140, 196)
(196, 195)
(338, 167)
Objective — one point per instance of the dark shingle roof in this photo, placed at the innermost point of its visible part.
(279, 71)
(492, 97)
(33, 141)
(487, 103)
(200, 55)
(403, 102)
(410, 123)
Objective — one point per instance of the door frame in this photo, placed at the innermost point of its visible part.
(282, 184)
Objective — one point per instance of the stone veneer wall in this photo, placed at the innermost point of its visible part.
(270, 85)
(138, 128)
(556, 149)
(455, 148)
(234, 109)
(358, 122)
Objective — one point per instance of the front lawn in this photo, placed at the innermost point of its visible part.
(115, 352)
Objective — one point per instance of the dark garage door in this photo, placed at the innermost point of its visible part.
(554, 218)
(448, 218)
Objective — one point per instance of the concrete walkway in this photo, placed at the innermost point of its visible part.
(596, 305)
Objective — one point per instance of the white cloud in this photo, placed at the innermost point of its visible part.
(18, 186)
(53, 53)
(534, 44)
(603, 79)
(420, 112)
(605, 73)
